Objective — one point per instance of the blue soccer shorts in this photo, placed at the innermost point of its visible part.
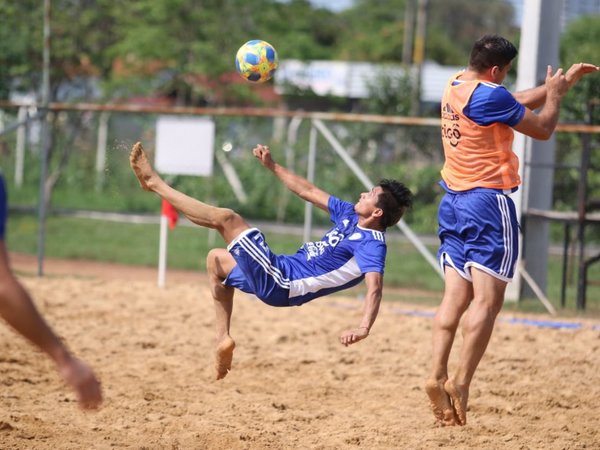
(257, 271)
(479, 228)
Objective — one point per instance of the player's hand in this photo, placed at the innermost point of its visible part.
(556, 84)
(576, 71)
(263, 153)
(353, 336)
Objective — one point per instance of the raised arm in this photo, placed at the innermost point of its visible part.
(374, 282)
(535, 97)
(295, 183)
(542, 125)
(532, 98)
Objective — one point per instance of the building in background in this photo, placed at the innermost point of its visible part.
(352, 80)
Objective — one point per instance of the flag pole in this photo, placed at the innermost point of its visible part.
(162, 251)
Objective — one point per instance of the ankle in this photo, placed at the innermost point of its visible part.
(438, 377)
(459, 383)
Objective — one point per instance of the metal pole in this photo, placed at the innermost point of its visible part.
(162, 251)
(419, 54)
(310, 176)
(20, 147)
(538, 47)
(409, 26)
(45, 140)
(101, 149)
(581, 220)
(565, 264)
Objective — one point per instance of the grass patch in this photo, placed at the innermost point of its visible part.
(137, 244)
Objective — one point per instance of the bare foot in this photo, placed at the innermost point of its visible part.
(223, 357)
(141, 166)
(459, 396)
(439, 401)
(80, 377)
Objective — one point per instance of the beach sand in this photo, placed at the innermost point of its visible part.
(292, 385)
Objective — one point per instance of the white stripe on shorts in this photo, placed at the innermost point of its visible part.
(507, 235)
(256, 254)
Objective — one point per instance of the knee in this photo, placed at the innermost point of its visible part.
(228, 216)
(447, 322)
(450, 312)
(491, 305)
(212, 260)
(219, 263)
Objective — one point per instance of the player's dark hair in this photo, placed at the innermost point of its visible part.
(490, 51)
(393, 201)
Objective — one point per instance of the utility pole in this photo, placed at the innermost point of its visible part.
(409, 29)
(419, 53)
(43, 201)
(539, 47)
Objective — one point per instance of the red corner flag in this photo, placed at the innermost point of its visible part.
(170, 213)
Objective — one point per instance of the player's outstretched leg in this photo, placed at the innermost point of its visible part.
(459, 396)
(227, 222)
(141, 167)
(19, 311)
(439, 401)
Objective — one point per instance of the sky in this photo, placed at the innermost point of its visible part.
(334, 5)
(338, 5)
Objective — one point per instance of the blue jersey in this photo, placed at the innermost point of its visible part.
(491, 103)
(336, 262)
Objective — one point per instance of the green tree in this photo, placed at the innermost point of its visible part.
(17, 38)
(454, 25)
(579, 43)
(190, 41)
(373, 31)
(81, 33)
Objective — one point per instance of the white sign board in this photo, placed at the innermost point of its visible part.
(184, 145)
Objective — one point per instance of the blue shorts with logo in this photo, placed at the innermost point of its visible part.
(257, 270)
(479, 228)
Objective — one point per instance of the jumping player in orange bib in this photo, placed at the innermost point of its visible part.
(478, 226)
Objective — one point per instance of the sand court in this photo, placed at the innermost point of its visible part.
(292, 384)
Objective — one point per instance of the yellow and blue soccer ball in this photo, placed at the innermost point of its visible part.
(256, 61)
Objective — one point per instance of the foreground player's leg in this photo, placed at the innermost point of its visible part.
(225, 221)
(80, 377)
(477, 327)
(219, 263)
(457, 295)
(18, 309)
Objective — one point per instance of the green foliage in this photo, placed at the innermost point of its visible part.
(454, 25)
(19, 42)
(373, 31)
(390, 94)
(579, 43)
(150, 46)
